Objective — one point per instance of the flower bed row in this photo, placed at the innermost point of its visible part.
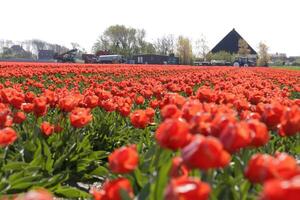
(148, 132)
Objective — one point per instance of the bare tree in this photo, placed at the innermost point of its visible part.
(1, 45)
(184, 50)
(201, 47)
(165, 45)
(37, 45)
(263, 55)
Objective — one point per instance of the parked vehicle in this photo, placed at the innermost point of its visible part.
(111, 59)
(243, 62)
(89, 58)
(156, 59)
(67, 57)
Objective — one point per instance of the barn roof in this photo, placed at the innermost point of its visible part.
(230, 43)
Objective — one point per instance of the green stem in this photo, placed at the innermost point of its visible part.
(5, 154)
(157, 156)
(156, 164)
(209, 175)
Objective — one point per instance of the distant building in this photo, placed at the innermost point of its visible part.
(46, 54)
(293, 60)
(279, 56)
(278, 59)
(103, 52)
(155, 59)
(230, 44)
(17, 49)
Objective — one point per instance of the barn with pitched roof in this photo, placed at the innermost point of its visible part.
(230, 44)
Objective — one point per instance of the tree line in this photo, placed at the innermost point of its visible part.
(27, 49)
(128, 41)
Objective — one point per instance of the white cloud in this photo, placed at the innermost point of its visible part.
(82, 21)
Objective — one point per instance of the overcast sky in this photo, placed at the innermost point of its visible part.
(275, 22)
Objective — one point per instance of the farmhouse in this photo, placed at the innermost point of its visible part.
(230, 44)
(45, 54)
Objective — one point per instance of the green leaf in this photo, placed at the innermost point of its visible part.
(245, 186)
(14, 166)
(57, 179)
(15, 176)
(124, 195)
(148, 159)
(59, 162)
(25, 179)
(164, 157)
(100, 171)
(71, 192)
(98, 155)
(32, 169)
(38, 161)
(21, 186)
(49, 160)
(3, 186)
(162, 180)
(37, 157)
(144, 193)
(141, 178)
(297, 149)
(29, 146)
(83, 164)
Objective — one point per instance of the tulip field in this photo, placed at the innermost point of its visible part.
(146, 132)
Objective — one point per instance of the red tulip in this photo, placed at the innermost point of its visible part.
(40, 106)
(190, 109)
(7, 136)
(206, 95)
(290, 122)
(205, 153)
(170, 111)
(154, 103)
(29, 97)
(27, 107)
(173, 134)
(235, 136)
(139, 119)
(178, 168)
(186, 188)
(4, 115)
(19, 117)
(263, 167)
(150, 112)
(46, 128)
(67, 104)
(272, 114)
(124, 111)
(80, 117)
(139, 100)
(123, 160)
(286, 166)
(259, 133)
(111, 190)
(281, 189)
(91, 101)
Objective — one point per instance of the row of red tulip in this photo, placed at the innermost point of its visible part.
(208, 115)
